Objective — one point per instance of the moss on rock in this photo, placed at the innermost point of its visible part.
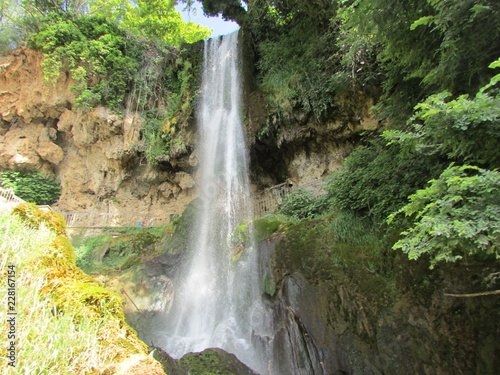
(78, 294)
(33, 216)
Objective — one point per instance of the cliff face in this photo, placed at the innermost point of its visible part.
(345, 318)
(99, 157)
(97, 154)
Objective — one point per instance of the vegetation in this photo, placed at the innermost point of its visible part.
(458, 215)
(303, 204)
(118, 54)
(32, 186)
(110, 251)
(58, 306)
(436, 83)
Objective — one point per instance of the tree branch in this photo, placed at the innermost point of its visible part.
(472, 294)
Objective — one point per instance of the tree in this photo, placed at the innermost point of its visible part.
(228, 9)
(154, 19)
(463, 130)
(457, 216)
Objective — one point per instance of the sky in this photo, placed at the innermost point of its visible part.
(217, 24)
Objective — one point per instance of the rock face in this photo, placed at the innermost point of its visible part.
(330, 322)
(97, 155)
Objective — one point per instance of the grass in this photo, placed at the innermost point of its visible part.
(50, 339)
(47, 342)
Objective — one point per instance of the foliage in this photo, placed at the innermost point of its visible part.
(465, 130)
(426, 46)
(35, 217)
(32, 186)
(303, 204)
(375, 180)
(96, 53)
(298, 55)
(350, 228)
(156, 20)
(228, 9)
(456, 216)
(101, 44)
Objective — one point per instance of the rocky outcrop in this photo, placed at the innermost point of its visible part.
(345, 319)
(97, 155)
(302, 147)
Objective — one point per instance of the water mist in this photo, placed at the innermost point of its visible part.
(217, 301)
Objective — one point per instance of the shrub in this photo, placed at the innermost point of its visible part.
(97, 53)
(33, 216)
(376, 180)
(32, 186)
(303, 204)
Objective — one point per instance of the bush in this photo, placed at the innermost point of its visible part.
(303, 204)
(458, 215)
(70, 324)
(376, 180)
(32, 186)
(97, 53)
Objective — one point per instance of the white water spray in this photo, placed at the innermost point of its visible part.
(218, 302)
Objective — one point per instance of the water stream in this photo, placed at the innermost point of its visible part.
(217, 302)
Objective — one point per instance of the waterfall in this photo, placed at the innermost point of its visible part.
(217, 301)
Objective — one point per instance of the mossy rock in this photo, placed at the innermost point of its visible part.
(212, 361)
(106, 253)
(33, 216)
(62, 247)
(257, 230)
(128, 249)
(179, 240)
(83, 298)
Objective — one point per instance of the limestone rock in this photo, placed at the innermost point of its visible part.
(184, 180)
(25, 162)
(50, 152)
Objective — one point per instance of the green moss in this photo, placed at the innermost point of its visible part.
(34, 216)
(179, 240)
(104, 253)
(317, 251)
(268, 285)
(62, 247)
(259, 229)
(77, 295)
(210, 362)
(91, 300)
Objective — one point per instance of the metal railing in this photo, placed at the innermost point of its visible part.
(269, 199)
(266, 202)
(8, 196)
(105, 219)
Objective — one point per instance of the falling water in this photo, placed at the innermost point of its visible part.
(218, 302)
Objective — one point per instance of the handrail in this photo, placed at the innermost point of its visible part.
(9, 196)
